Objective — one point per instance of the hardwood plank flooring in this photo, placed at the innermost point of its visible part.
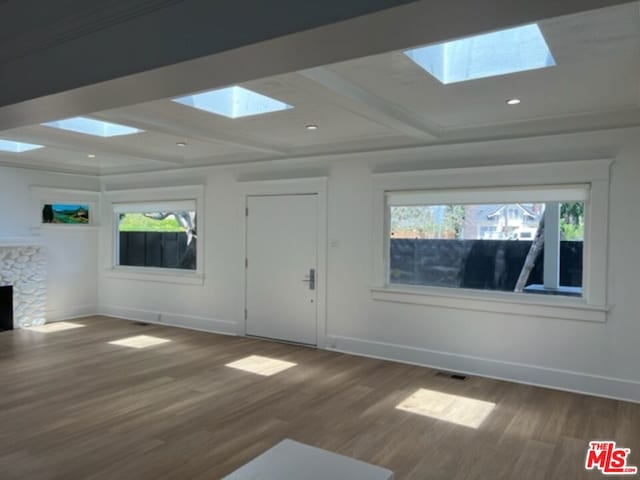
(74, 406)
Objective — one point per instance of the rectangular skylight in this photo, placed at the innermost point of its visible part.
(498, 53)
(17, 147)
(89, 126)
(233, 102)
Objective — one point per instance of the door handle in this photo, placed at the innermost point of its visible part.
(311, 279)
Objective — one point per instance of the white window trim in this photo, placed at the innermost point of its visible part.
(151, 196)
(595, 173)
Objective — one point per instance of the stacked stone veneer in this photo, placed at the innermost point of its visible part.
(24, 267)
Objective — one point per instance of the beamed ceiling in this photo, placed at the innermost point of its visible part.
(371, 103)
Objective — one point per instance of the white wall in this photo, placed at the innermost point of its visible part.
(71, 252)
(600, 358)
(211, 306)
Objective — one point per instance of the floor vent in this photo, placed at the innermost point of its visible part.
(141, 324)
(455, 376)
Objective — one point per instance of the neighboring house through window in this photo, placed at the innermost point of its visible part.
(487, 246)
(528, 238)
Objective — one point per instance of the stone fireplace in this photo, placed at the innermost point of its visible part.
(23, 267)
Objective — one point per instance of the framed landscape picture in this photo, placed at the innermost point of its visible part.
(70, 214)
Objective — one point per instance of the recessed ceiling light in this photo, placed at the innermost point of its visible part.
(513, 101)
(91, 155)
(181, 144)
(89, 126)
(312, 127)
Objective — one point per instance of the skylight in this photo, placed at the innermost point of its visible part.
(17, 147)
(233, 102)
(89, 126)
(498, 53)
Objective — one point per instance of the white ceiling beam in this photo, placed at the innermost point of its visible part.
(56, 167)
(383, 111)
(418, 23)
(565, 124)
(59, 45)
(147, 117)
(87, 146)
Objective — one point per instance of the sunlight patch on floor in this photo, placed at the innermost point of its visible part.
(264, 366)
(464, 411)
(55, 327)
(139, 341)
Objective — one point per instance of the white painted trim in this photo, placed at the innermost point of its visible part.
(378, 156)
(143, 194)
(601, 386)
(296, 186)
(71, 312)
(595, 173)
(94, 194)
(79, 227)
(497, 302)
(565, 380)
(202, 324)
(21, 241)
(560, 173)
(157, 275)
(607, 387)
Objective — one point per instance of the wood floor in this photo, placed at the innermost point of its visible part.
(74, 406)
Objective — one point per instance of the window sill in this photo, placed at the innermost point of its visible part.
(496, 302)
(158, 275)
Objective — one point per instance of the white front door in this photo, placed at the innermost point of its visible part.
(282, 262)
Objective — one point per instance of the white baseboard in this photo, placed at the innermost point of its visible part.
(211, 325)
(600, 386)
(69, 312)
(566, 380)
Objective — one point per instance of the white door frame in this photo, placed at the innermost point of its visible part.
(296, 186)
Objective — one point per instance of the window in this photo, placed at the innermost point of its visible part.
(497, 53)
(527, 246)
(576, 191)
(159, 235)
(487, 232)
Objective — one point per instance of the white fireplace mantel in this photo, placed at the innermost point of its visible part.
(31, 241)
